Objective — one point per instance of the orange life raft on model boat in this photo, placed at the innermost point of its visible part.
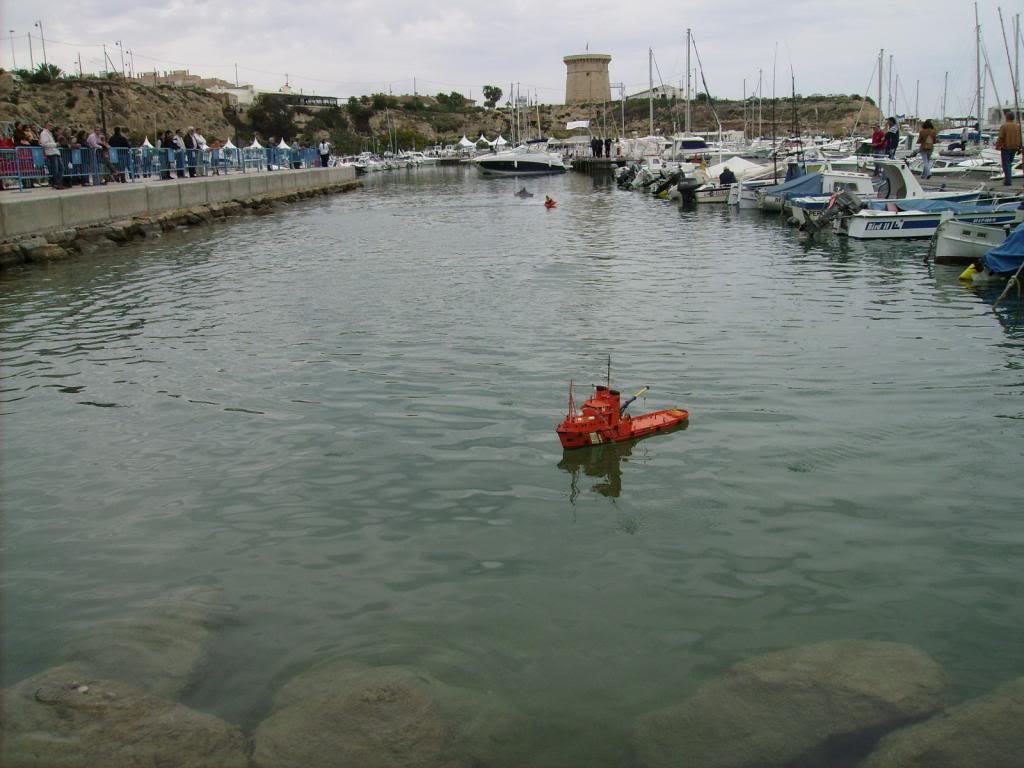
(603, 419)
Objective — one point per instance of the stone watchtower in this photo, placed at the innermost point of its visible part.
(586, 78)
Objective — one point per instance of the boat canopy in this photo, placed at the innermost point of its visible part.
(1008, 256)
(801, 186)
(742, 168)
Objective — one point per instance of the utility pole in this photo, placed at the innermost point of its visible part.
(80, 74)
(31, 59)
(43, 41)
(14, 61)
(121, 48)
(236, 74)
(104, 59)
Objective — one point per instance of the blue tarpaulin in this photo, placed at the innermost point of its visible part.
(1010, 255)
(802, 186)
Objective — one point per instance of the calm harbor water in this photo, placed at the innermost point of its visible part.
(341, 418)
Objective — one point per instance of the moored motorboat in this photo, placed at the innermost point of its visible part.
(921, 218)
(524, 160)
(962, 242)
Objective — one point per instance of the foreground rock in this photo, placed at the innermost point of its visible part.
(63, 718)
(988, 731)
(342, 715)
(160, 650)
(823, 704)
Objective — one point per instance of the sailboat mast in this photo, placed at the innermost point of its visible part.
(650, 89)
(977, 64)
(760, 101)
(686, 127)
(881, 67)
(945, 89)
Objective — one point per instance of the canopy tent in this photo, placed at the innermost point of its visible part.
(283, 145)
(255, 145)
(229, 145)
(145, 144)
(500, 141)
(466, 143)
(483, 139)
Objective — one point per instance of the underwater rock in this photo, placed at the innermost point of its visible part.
(823, 704)
(987, 731)
(65, 718)
(346, 714)
(159, 651)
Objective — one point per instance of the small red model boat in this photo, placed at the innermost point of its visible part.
(602, 419)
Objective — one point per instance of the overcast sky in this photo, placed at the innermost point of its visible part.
(361, 46)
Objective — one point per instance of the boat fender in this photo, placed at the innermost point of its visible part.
(968, 273)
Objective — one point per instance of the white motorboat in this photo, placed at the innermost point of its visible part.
(524, 160)
(957, 240)
(924, 219)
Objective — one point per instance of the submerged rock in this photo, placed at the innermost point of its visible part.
(822, 704)
(344, 714)
(65, 718)
(987, 731)
(159, 651)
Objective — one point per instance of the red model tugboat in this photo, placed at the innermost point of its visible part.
(603, 419)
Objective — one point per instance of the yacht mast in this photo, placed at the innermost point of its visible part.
(686, 127)
(650, 89)
(945, 88)
(977, 65)
(881, 66)
(760, 100)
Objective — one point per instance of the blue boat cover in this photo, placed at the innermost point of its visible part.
(801, 186)
(1010, 255)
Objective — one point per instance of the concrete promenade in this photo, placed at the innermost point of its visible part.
(46, 210)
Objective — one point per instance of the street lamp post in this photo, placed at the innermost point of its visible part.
(31, 58)
(43, 41)
(14, 61)
(121, 48)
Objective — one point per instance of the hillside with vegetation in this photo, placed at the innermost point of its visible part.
(381, 120)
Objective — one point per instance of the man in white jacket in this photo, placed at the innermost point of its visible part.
(54, 162)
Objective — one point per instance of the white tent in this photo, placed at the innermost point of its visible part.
(145, 144)
(500, 141)
(483, 139)
(229, 145)
(255, 145)
(283, 145)
(464, 142)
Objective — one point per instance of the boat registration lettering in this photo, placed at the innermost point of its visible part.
(879, 226)
(595, 438)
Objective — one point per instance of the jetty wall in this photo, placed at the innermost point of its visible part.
(44, 224)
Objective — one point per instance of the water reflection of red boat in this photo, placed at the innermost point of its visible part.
(602, 419)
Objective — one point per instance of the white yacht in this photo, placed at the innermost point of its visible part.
(524, 160)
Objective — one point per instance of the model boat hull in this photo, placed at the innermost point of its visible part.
(582, 432)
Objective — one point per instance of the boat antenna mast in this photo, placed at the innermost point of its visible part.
(609, 371)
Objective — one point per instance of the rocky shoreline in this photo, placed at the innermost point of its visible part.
(59, 245)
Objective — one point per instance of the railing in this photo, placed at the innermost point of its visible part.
(28, 167)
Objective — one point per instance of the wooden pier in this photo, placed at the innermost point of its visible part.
(597, 165)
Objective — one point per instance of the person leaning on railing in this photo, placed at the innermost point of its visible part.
(51, 153)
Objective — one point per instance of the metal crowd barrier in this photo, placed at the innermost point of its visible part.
(27, 167)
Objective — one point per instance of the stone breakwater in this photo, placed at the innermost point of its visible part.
(45, 225)
(78, 241)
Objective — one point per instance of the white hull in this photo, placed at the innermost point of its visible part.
(714, 193)
(885, 225)
(967, 240)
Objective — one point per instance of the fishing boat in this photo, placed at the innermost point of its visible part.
(602, 419)
(921, 218)
(962, 242)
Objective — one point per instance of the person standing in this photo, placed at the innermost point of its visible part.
(324, 148)
(1008, 144)
(179, 154)
(190, 150)
(608, 146)
(54, 163)
(878, 141)
(892, 137)
(926, 141)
